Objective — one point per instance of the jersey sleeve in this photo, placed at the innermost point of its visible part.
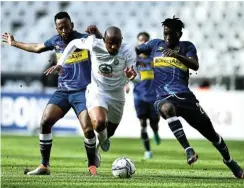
(49, 44)
(145, 47)
(83, 43)
(191, 51)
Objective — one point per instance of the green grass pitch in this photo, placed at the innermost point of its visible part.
(168, 167)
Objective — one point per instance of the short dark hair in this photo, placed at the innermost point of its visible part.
(61, 15)
(143, 33)
(174, 23)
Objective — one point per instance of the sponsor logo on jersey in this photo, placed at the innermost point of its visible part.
(169, 62)
(75, 57)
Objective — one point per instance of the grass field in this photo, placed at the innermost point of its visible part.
(168, 168)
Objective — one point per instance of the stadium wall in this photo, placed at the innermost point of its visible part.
(21, 114)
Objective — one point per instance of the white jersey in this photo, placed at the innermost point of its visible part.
(107, 70)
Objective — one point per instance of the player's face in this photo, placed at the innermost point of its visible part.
(113, 44)
(171, 37)
(64, 28)
(142, 39)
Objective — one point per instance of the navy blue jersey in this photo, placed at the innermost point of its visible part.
(170, 75)
(76, 73)
(145, 89)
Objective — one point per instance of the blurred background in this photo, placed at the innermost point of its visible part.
(216, 29)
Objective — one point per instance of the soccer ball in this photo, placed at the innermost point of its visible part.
(123, 167)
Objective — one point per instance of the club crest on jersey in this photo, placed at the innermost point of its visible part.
(116, 61)
(105, 70)
(56, 47)
(160, 49)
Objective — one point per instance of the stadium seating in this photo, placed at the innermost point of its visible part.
(216, 31)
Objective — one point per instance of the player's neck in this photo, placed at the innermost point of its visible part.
(69, 39)
(173, 46)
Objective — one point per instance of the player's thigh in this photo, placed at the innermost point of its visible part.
(77, 100)
(96, 105)
(56, 108)
(115, 111)
(141, 108)
(98, 115)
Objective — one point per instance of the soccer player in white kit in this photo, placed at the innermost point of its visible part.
(112, 67)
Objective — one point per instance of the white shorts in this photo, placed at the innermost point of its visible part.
(112, 101)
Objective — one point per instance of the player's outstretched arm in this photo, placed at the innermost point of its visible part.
(29, 47)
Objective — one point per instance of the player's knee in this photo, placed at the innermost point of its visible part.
(168, 110)
(46, 124)
(99, 124)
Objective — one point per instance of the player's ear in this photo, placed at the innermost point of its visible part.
(72, 25)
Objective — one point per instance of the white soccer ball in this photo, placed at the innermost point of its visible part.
(123, 167)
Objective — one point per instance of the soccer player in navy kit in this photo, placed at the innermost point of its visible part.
(172, 60)
(72, 85)
(144, 97)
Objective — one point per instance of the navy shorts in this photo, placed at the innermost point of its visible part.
(145, 109)
(69, 99)
(186, 106)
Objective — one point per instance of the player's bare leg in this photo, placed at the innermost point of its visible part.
(89, 142)
(98, 117)
(154, 125)
(169, 113)
(145, 138)
(51, 115)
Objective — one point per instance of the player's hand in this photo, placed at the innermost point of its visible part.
(130, 73)
(50, 70)
(93, 30)
(8, 38)
(169, 53)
